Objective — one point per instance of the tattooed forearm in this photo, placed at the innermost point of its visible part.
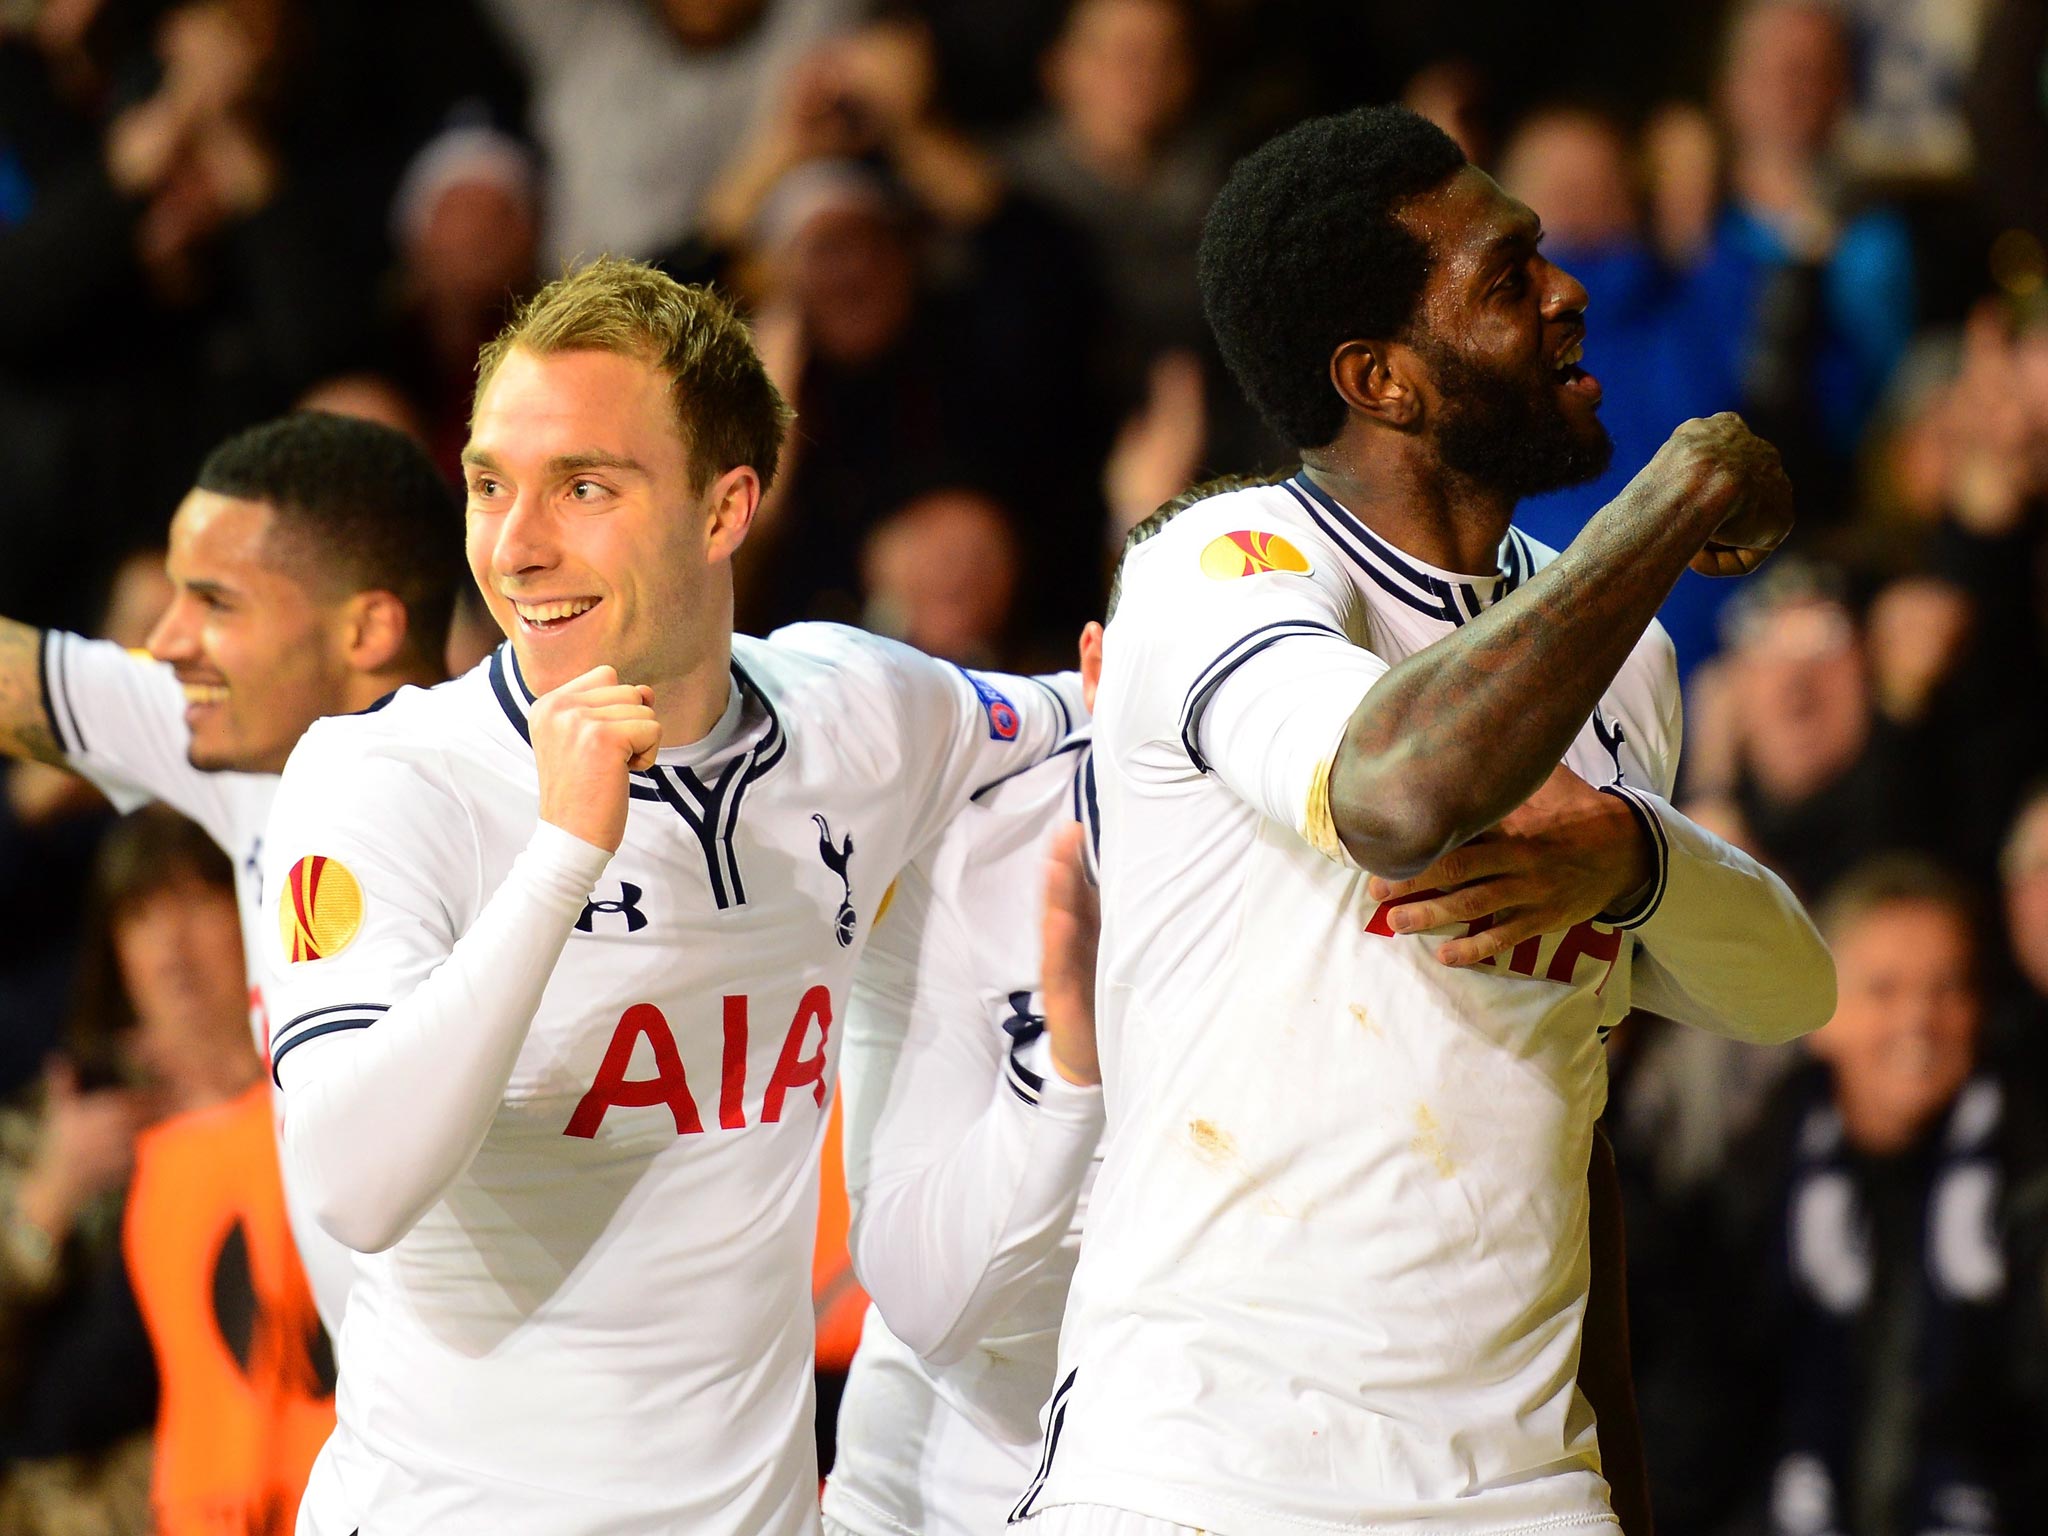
(1458, 735)
(24, 723)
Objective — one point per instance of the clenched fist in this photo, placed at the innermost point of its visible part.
(586, 735)
(1742, 476)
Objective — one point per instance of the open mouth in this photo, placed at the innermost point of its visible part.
(1571, 376)
(199, 695)
(552, 617)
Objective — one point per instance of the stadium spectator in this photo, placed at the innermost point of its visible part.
(1118, 153)
(245, 1370)
(465, 226)
(1787, 754)
(874, 354)
(2018, 1026)
(1812, 294)
(1893, 1204)
(78, 1386)
(941, 573)
(640, 104)
(1649, 343)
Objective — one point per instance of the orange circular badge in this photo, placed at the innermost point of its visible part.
(321, 909)
(1245, 553)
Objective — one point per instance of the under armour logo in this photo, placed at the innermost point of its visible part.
(1026, 1028)
(837, 859)
(627, 906)
(1611, 738)
(1023, 1026)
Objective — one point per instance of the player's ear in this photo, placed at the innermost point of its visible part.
(1091, 662)
(374, 627)
(730, 505)
(1376, 379)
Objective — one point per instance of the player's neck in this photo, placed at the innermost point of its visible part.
(690, 705)
(365, 688)
(1442, 520)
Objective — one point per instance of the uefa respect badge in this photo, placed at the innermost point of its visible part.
(1245, 553)
(320, 910)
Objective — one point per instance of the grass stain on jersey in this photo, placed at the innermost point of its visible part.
(1213, 1146)
(1218, 1149)
(1429, 1142)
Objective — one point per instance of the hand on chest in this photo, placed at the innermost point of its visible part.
(701, 986)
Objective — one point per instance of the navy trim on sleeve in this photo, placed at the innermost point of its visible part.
(1240, 651)
(1660, 844)
(49, 694)
(1066, 715)
(336, 1018)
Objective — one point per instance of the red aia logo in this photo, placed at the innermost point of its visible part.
(795, 1068)
(1601, 945)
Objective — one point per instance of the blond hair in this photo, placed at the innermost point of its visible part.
(729, 411)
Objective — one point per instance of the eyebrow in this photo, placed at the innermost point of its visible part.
(593, 458)
(1517, 241)
(561, 463)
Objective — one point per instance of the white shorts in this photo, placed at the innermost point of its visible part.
(1099, 1520)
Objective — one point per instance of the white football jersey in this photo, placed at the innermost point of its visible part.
(968, 1158)
(604, 1324)
(120, 717)
(1336, 1259)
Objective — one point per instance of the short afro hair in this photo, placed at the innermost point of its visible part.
(357, 506)
(1303, 251)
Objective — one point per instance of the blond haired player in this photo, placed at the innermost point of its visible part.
(1337, 1257)
(565, 947)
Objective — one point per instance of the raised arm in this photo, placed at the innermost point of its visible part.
(964, 1169)
(24, 718)
(1458, 735)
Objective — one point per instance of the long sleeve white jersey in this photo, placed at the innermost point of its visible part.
(576, 1101)
(1336, 1261)
(967, 1160)
(120, 717)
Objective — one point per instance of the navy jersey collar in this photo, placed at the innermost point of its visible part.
(1442, 595)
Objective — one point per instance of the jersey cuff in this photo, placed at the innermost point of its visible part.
(321, 1021)
(56, 703)
(1077, 1102)
(1645, 812)
(1213, 676)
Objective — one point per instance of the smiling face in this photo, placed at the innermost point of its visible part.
(1904, 1035)
(586, 537)
(1496, 343)
(260, 653)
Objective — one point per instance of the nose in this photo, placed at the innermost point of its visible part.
(1563, 294)
(526, 543)
(176, 635)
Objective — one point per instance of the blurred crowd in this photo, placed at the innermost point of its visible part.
(965, 231)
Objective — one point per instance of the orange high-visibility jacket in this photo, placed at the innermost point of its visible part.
(246, 1377)
(837, 1296)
